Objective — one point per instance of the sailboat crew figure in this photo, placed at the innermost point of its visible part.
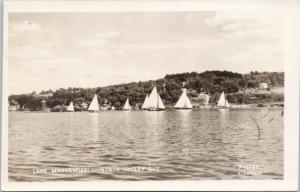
(183, 102)
(71, 107)
(94, 106)
(223, 103)
(127, 105)
(153, 102)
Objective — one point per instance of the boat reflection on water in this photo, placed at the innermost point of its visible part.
(153, 116)
(222, 113)
(184, 115)
(93, 120)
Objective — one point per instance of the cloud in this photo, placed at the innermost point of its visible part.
(104, 44)
(267, 58)
(108, 52)
(26, 26)
(93, 42)
(165, 43)
(237, 24)
(222, 17)
(248, 55)
(111, 34)
(189, 16)
(199, 44)
(100, 40)
(250, 39)
(121, 53)
(44, 73)
(39, 51)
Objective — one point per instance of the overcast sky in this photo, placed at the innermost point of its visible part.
(60, 50)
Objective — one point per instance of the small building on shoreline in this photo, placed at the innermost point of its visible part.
(201, 100)
(263, 86)
(13, 106)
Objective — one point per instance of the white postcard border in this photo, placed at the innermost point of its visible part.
(291, 123)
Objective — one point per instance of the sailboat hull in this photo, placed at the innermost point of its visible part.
(154, 109)
(223, 108)
(179, 108)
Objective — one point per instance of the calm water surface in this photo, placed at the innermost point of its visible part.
(197, 144)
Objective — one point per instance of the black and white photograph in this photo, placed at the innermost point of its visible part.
(145, 95)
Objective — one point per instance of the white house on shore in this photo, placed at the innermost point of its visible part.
(263, 86)
(201, 100)
(14, 106)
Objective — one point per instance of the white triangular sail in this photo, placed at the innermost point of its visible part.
(184, 102)
(94, 106)
(207, 100)
(160, 103)
(226, 103)
(154, 101)
(127, 105)
(145, 104)
(71, 107)
(222, 101)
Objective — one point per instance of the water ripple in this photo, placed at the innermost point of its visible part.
(194, 145)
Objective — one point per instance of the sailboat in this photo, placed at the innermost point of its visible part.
(70, 108)
(207, 100)
(183, 102)
(127, 105)
(94, 106)
(154, 102)
(223, 103)
(145, 104)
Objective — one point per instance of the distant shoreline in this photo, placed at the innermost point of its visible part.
(254, 88)
(167, 109)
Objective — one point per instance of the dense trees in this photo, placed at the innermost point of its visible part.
(26, 101)
(211, 82)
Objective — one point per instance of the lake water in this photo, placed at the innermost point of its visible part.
(143, 145)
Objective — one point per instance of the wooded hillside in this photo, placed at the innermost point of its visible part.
(169, 87)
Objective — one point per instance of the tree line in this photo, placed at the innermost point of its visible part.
(169, 88)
